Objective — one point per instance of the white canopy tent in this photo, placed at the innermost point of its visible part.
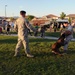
(60, 20)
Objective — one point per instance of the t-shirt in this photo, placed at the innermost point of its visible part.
(70, 28)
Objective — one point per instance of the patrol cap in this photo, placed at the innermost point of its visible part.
(22, 12)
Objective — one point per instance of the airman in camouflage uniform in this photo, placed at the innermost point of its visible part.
(21, 26)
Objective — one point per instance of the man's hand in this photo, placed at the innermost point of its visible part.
(68, 33)
(35, 33)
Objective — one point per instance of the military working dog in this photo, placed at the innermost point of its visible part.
(60, 42)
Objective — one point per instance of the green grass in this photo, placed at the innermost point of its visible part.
(55, 34)
(44, 63)
(52, 34)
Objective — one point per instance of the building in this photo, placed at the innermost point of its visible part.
(44, 20)
(39, 21)
(50, 17)
(72, 17)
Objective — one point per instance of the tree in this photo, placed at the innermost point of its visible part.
(30, 17)
(62, 15)
(11, 19)
(70, 20)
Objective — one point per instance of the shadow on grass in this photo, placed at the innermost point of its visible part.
(44, 54)
(11, 41)
(71, 52)
(9, 54)
(41, 40)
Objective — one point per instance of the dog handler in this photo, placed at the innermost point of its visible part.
(22, 26)
(68, 38)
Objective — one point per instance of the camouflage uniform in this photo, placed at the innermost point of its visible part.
(22, 26)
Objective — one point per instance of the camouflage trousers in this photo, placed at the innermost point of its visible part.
(25, 43)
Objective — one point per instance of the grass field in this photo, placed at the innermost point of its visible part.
(53, 34)
(44, 63)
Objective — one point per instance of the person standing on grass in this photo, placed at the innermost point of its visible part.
(61, 27)
(36, 27)
(21, 26)
(55, 27)
(12, 26)
(50, 28)
(8, 28)
(42, 31)
(0, 29)
(4, 23)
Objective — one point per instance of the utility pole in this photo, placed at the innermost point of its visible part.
(5, 11)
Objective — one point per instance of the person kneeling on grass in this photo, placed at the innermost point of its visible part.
(68, 27)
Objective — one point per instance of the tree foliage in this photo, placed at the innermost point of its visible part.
(11, 18)
(62, 15)
(30, 17)
(69, 20)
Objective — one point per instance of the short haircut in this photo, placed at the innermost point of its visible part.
(65, 22)
(22, 12)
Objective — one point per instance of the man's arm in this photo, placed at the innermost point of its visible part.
(15, 26)
(29, 26)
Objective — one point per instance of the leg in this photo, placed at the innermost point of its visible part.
(26, 47)
(18, 46)
(68, 39)
(57, 52)
(55, 49)
(41, 34)
(30, 32)
(66, 47)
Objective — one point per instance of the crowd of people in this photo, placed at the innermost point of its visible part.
(6, 27)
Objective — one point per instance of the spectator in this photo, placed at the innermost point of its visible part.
(12, 26)
(42, 31)
(0, 29)
(36, 27)
(61, 28)
(8, 28)
(55, 28)
(50, 28)
(4, 23)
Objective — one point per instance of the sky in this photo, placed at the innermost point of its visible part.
(37, 8)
